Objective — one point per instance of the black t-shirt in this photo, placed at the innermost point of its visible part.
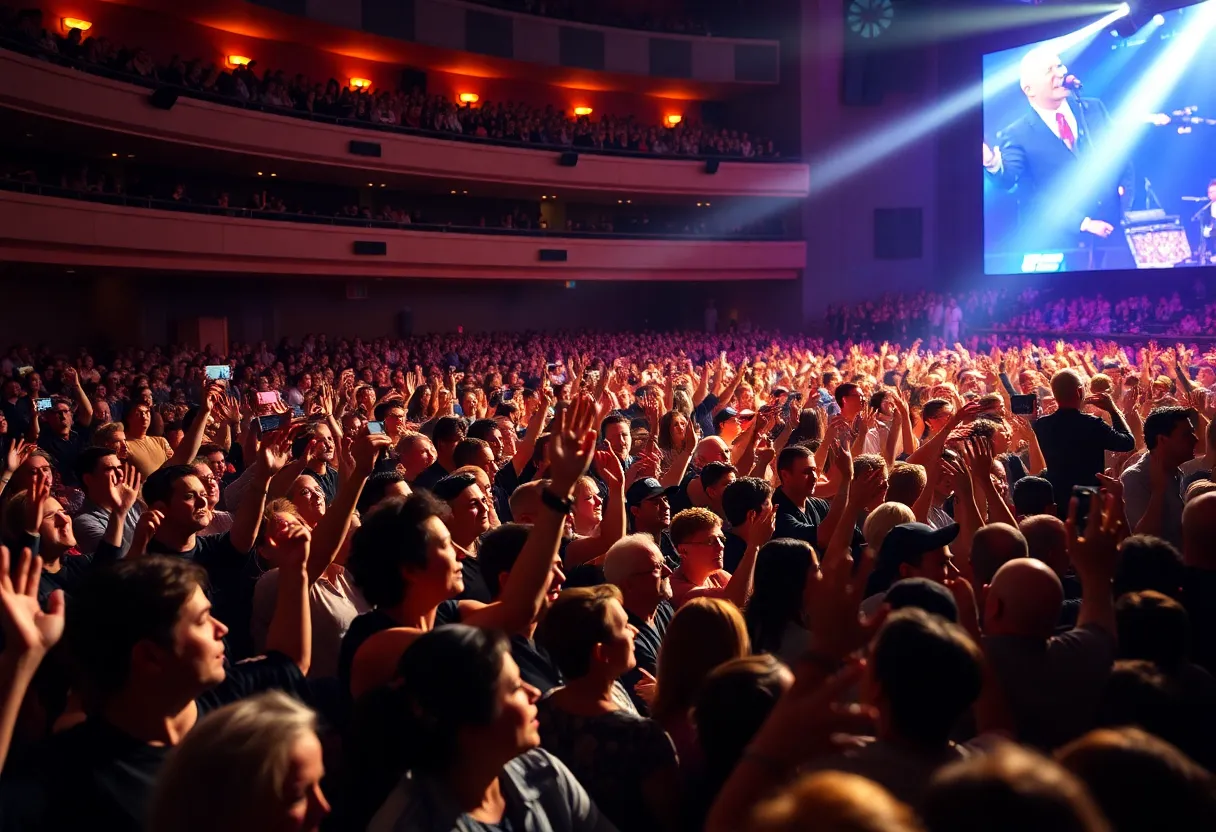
(646, 646)
(680, 500)
(475, 587)
(65, 450)
(535, 664)
(735, 547)
(232, 576)
(367, 625)
(328, 482)
(94, 776)
(429, 477)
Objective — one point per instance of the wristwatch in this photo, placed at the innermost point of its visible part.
(561, 505)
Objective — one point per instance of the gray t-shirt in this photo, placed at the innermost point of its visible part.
(333, 605)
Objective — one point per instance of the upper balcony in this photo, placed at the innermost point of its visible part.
(122, 105)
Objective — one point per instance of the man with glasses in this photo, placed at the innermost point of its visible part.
(697, 534)
(68, 432)
(221, 521)
(101, 473)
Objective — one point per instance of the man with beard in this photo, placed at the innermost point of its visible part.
(637, 567)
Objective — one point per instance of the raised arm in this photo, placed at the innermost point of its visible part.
(739, 589)
(1094, 557)
(570, 452)
(29, 634)
(290, 631)
(271, 458)
(842, 460)
(193, 438)
(84, 407)
(613, 525)
(330, 533)
(527, 446)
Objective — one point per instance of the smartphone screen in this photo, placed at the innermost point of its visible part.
(1023, 405)
(43, 404)
(216, 372)
(375, 427)
(268, 423)
(269, 397)
(297, 411)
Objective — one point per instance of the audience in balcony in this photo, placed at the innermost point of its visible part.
(414, 108)
(115, 178)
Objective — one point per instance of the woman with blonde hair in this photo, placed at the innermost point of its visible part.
(703, 634)
(882, 519)
(837, 802)
(253, 765)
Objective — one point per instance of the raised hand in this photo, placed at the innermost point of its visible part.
(1102, 401)
(146, 529)
(71, 377)
(286, 545)
(367, 449)
(1094, 555)
(126, 490)
(15, 456)
(761, 531)
(36, 505)
(608, 466)
(27, 629)
(572, 444)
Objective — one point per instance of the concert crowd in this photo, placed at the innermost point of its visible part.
(686, 580)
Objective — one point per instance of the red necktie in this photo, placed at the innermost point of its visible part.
(1065, 131)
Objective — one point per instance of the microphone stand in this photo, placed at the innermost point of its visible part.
(1150, 194)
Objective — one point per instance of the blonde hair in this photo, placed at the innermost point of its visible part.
(104, 434)
(703, 634)
(241, 752)
(882, 519)
(835, 802)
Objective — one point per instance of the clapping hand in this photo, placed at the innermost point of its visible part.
(17, 452)
(125, 491)
(608, 466)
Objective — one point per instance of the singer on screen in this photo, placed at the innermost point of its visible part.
(1035, 155)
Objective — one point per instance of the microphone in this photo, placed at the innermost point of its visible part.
(1072, 82)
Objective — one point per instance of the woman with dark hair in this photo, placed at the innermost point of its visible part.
(417, 410)
(671, 437)
(809, 429)
(733, 703)
(626, 762)
(403, 561)
(472, 751)
(787, 572)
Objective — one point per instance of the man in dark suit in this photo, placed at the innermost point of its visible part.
(1037, 151)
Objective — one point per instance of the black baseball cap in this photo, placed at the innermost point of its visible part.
(724, 414)
(646, 488)
(924, 594)
(909, 541)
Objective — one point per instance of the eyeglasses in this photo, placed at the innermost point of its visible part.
(716, 540)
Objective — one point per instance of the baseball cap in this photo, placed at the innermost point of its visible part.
(924, 594)
(724, 414)
(908, 541)
(646, 488)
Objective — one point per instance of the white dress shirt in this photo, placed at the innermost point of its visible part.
(1049, 118)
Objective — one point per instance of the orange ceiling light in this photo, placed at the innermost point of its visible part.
(361, 83)
(469, 98)
(239, 60)
(582, 111)
(673, 119)
(70, 23)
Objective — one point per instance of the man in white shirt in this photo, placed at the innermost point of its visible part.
(1039, 153)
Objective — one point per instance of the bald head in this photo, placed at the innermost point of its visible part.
(1066, 387)
(711, 449)
(1047, 540)
(627, 555)
(993, 546)
(1024, 599)
(1199, 532)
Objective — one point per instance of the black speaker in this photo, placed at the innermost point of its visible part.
(711, 166)
(365, 148)
(568, 159)
(163, 98)
(412, 77)
(405, 323)
(372, 247)
(553, 255)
